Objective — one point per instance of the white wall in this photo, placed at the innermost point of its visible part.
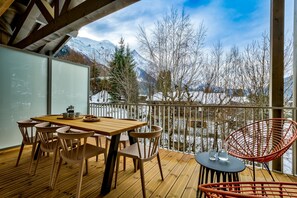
(25, 92)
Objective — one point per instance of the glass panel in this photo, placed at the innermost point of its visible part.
(70, 86)
(23, 89)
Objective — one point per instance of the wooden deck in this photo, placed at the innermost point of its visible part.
(180, 177)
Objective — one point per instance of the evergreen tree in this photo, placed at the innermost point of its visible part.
(123, 78)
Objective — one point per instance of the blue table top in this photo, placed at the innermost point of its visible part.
(233, 165)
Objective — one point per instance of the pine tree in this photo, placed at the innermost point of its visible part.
(123, 78)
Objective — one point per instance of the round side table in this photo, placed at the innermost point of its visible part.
(223, 170)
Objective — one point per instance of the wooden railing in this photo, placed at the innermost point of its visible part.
(195, 128)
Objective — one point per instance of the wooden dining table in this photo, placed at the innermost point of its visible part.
(106, 126)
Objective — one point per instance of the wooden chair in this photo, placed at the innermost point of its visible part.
(75, 150)
(48, 143)
(262, 141)
(250, 189)
(145, 149)
(28, 133)
(124, 140)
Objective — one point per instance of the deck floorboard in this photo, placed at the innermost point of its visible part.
(180, 177)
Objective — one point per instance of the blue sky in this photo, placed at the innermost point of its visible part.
(233, 22)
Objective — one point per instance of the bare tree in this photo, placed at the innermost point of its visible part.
(288, 63)
(255, 71)
(174, 47)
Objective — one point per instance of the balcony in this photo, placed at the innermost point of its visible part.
(180, 177)
(194, 128)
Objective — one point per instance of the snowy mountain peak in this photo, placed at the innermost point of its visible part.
(102, 52)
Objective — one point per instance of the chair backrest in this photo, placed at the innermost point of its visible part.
(27, 130)
(148, 142)
(46, 134)
(265, 140)
(73, 143)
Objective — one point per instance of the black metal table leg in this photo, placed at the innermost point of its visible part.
(110, 164)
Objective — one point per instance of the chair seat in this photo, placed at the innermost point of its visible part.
(262, 141)
(91, 151)
(132, 151)
(50, 147)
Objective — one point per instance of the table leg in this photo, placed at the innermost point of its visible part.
(132, 140)
(110, 164)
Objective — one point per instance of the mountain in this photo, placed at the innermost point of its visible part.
(102, 52)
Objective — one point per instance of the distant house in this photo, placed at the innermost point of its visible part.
(204, 98)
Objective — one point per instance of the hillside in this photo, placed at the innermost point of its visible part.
(102, 52)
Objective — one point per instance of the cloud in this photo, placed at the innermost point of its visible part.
(234, 23)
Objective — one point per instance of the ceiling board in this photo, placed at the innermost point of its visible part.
(4, 5)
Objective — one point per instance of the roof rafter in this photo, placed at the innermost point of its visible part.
(65, 6)
(57, 8)
(21, 22)
(46, 10)
(61, 44)
(4, 5)
(75, 14)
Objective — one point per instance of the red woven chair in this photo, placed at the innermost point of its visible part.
(262, 141)
(250, 189)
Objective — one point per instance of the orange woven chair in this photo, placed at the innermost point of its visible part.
(250, 189)
(262, 141)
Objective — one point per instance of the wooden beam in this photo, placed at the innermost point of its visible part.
(61, 44)
(65, 6)
(6, 26)
(57, 8)
(21, 21)
(76, 13)
(276, 96)
(4, 5)
(46, 10)
(295, 83)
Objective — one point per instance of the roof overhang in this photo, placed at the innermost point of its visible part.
(44, 26)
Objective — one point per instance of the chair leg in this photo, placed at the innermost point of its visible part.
(80, 175)
(105, 156)
(124, 161)
(100, 143)
(87, 171)
(53, 167)
(37, 161)
(254, 174)
(20, 154)
(55, 178)
(160, 166)
(142, 178)
(106, 143)
(97, 144)
(33, 153)
(268, 169)
(116, 173)
(136, 162)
